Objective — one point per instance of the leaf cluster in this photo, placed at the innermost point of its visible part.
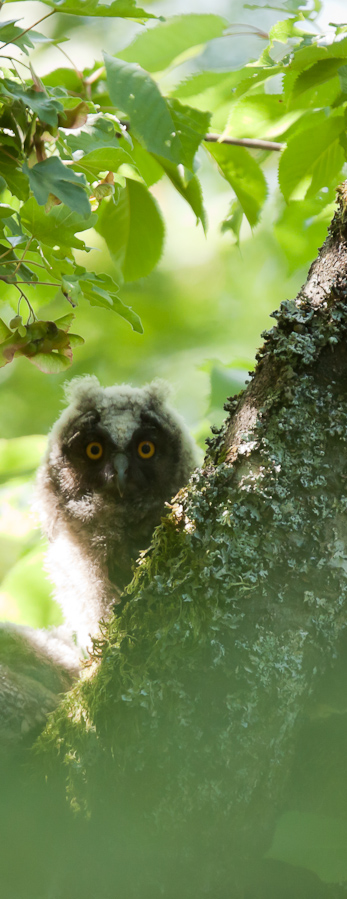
(82, 149)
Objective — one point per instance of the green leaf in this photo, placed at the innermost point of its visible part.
(133, 230)
(124, 9)
(104, 160)
(150, 170)
(314, 155)
(134, 93)
(6, 211)
(64, 78)
(95, 136)
(245, 176)
(97, 297)
(4, 331)
(320, 72)
(284, 30)
(52, 177)
(16, 181)
(11, 33)
(50, 363)
(190, 191)
(11, 269)
(191, 126)
(157, 47)
(59, 226)
(234, 220)
(259, 115)
(45, 107)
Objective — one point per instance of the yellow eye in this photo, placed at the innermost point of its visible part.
(146, 449)
(94, 450)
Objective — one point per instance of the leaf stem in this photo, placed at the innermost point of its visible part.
(39, 283)
(23, 255)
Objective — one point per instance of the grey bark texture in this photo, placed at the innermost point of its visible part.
(191, 730)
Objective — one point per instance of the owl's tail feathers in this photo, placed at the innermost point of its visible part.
(36, 667)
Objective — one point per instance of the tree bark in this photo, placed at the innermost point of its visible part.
(195, 725)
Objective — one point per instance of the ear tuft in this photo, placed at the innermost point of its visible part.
(159, 391)
(78, 388)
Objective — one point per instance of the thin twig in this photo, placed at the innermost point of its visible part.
(3, 56)
(23, 255)
(24, 297)
(39, 283)
(78, 73)
(10, 250)
(15, 39)
(254, 29)
(251, 142)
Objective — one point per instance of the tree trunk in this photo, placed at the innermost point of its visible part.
(200, 722)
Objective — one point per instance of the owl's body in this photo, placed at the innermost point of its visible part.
(115, 456)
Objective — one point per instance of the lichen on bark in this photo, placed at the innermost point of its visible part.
(182, 734)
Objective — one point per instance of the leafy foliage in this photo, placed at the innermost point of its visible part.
(82, 149)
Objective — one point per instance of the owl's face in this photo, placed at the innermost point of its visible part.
(115, 456)
(126, 457)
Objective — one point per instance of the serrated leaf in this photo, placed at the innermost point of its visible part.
(245, 176)
(99, 290)
(157, 47)
(59, 226)
(314, 154)
(285, 29)
(191, 126)
(320, 72)
(125, 9)
(104, 160)
(96, 134)
(52, 177)
(135, 93)
(71, 288)
(11, 33)
(133, 230)
(150, 170)
(46, 108)
(190, 191)
(234, 220)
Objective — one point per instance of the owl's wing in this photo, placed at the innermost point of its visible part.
(36, 667)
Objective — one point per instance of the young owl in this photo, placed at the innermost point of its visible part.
(115, 456)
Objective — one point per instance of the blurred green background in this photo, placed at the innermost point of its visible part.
(203, 309)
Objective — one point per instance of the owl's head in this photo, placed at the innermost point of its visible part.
(118, 450)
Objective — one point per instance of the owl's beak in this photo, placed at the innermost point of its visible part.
(121, 465)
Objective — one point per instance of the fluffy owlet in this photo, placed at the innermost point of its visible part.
(115, 456)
